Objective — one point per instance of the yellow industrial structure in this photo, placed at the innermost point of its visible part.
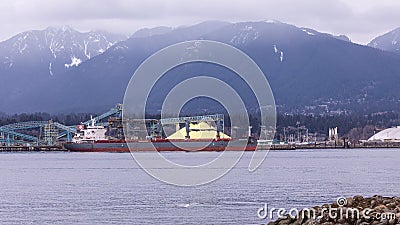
(200, 130)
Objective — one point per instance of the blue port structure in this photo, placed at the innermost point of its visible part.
(50, 132)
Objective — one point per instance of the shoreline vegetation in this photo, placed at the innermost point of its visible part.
(357, 210)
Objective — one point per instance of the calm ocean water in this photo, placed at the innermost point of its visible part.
(106, 188)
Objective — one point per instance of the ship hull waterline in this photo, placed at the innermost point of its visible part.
(164, 145)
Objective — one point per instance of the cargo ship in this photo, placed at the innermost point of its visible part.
(93, 139)
(161, 145)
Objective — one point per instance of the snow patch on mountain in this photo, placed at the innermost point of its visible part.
(308, 32)
(278, 53)
(7, 61)
(20, 45)
(87, 54)
(74, 62)
(246, 34)
(271, 21)
(50, 69)
(22, 49)
(120, 47)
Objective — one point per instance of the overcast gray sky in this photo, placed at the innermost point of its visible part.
(361, 20)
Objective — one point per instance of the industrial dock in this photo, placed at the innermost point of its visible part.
(32, 149)
(49, 136)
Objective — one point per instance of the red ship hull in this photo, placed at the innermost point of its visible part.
(163, 145)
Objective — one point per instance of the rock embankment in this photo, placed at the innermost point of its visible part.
(376, 210)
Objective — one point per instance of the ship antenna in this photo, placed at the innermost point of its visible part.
(93, 120)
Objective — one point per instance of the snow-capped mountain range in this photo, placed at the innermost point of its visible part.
(388, 42)
(56, 49)
(63, 70)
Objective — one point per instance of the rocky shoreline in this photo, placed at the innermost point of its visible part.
(376, 210)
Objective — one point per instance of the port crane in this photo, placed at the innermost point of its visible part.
(49, 132)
